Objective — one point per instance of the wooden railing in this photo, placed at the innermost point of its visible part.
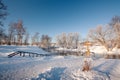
(30, 54)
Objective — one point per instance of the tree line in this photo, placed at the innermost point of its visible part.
(44, 41)
(105, 35)
(18, 35)
(70, 40)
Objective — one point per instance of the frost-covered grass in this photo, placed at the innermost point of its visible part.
(54, 67)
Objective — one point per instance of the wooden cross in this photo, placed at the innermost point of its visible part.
(88, 50)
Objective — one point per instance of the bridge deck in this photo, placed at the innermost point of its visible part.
(30, 54)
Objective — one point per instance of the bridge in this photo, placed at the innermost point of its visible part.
(30, 54)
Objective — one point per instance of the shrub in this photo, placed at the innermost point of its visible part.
(86, 66)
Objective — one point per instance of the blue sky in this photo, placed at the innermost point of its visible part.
(53, 17)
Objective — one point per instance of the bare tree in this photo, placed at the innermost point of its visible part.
(11, 33)
(59, 40)
(69, 40)
(114, 20)
(104, 36)
(76, 40)
(20, 30)
(26, 38)
(3, 15)
(115, 25)
(3, 37)
(16, 32)
(3, 12)
(45, 41)
(62, 40)
(35, 39)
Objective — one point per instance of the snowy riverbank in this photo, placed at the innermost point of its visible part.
(54, 67)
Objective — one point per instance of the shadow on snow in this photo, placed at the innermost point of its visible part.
(53, 74)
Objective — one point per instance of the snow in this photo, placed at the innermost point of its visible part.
(98, 49)
(55, 67)
(5, 50)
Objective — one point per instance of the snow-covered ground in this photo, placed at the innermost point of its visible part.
(5, 50)
(55, 67)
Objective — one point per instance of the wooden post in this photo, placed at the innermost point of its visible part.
(36, 55)
(33, 55)
(23, 54)
(29, 55)
(20, 54)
